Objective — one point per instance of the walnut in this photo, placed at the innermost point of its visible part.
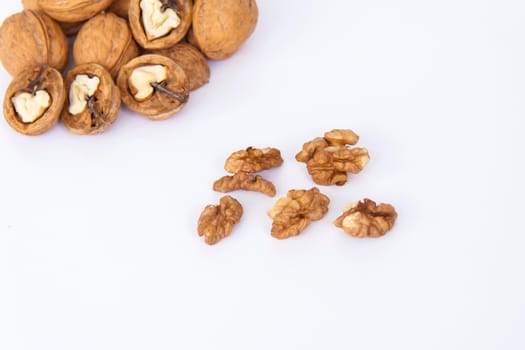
(73, 10)
(244, 181)
(154, 86)
(105, 39)
(293, 213)
(220, 27)
(34, 100)
(366, 219)
(159, 24)
(216, 221)
(253, 160)
(29, 39)
(329, 159)
(94, 100)
(191, 60)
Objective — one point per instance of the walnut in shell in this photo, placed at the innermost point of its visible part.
(293, 213)
(105, 39)
(329, 159)
(120, 8)
(34, 100)
(29, 39)
(253, 160)
(244, 181)
(220, 27)
(93, 100)
(73, 10)
(366, 219)
(154, 86)
(191, 60)
(216, 221)
(159, 24)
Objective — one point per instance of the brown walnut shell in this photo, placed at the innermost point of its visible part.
(183, 8)
(32, 80)
(191, 60)
(120, 8)
(220, 27)
(105, 39)
(73, 10)
(103, 107)
(162, 104)
(30, 38)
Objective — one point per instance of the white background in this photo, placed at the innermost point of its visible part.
(98, 242)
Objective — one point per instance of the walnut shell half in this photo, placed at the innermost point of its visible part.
(101, 106)
(73, 10)
(30, 38)
(220, 27)
(105, 39)
(164, 97)
(33, 82)
(154, 29)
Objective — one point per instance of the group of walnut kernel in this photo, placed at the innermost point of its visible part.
(328, 159)
(147, 54)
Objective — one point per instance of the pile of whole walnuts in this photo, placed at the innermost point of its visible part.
(147, 54)
(329, 159)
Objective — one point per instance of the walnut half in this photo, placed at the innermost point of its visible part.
(216, 221)
(253, 160)
(244, 181)
(293, 213)
(366, 219)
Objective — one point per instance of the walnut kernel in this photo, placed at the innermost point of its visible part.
(216, 221)
(253, 160)
(244, 181)
(366, 219)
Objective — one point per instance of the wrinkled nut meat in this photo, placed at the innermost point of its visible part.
(253, 160)
(105, 39)
(70, 11)
(366, 219)
(120, 8)
(329, 159)
(191, 60)
(293, 213)
(29, 39)
(216, 221)
(220, 27)
(244, 181)
(159, 24)
(154, 86)
(93, 100)
(34, 100)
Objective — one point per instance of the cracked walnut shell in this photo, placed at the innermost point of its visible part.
(159, 24)
(154, 86)
(73, 10)
(253, 160)
(34, 100)
(244, 181)
(216, 221)
(293, 213)
(93, 100)
(329, 159)
(220, 27)
(105, 39)
(366, 219)
(29, 39)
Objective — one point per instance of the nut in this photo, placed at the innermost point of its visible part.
(191, 60)
(216, 221)
(366, 219)
(94, 100)
(329, 159)
(29, 39)
(105, 39)
(34, 100)
(154, 86)
(244, 181)
(253, 160)
(293, 213)
(73, 10)
(120, 8)
(159, 24)
(220, 27)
